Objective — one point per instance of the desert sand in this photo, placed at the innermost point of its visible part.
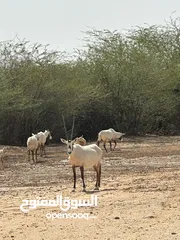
(139, 196)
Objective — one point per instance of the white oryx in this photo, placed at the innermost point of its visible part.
(109, 135)
(32, 146)
(88, 156)
(42, 137)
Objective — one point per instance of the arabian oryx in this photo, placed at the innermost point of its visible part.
(42, 137)
(109, 135)
(32, 146)
(84, 157)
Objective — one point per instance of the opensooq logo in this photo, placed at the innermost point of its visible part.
(64, 204)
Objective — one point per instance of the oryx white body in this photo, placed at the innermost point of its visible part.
(108, 136)
(32, 146)
(42, 137)
(88, 156)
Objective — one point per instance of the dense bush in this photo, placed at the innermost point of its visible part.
(129, 81)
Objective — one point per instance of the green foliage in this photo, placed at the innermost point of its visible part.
(129, 81)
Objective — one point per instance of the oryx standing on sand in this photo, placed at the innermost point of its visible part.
(84, 157)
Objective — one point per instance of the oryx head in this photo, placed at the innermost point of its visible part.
(48, 134)
(68, 142)
(121, 136)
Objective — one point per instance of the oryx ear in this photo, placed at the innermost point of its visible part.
(33, 134)
(74, 140)
(63, 140)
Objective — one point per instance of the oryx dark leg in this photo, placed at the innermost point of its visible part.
(44, 150)
(36, 154)
(105, 146)
(82, 176)
(74, 174)
(32, 151)
(110, 145)
(95, 168)
(40, 150)
(115, 143)
(99, 169)
(97, 178)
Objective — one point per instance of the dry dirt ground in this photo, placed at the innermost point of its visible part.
(139, 196)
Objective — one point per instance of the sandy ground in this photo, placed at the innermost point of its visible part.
(139, 196)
